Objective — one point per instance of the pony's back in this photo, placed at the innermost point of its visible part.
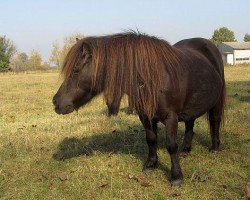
(207, 48)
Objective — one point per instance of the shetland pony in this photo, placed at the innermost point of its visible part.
(164, 84)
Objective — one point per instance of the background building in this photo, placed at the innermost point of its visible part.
(235, 52)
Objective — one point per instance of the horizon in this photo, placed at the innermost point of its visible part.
(36, 25)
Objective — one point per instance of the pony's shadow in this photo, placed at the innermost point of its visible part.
(131, 141)
(239, 90)
(122, 142)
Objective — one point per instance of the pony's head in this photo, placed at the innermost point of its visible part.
(76, 89)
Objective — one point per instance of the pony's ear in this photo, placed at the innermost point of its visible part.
(86, 51)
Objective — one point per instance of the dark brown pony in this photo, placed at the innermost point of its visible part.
(164, 83)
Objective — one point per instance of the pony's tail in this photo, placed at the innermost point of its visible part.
(218, 111)
(222, 102)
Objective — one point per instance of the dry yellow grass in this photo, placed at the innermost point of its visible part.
(103, 156)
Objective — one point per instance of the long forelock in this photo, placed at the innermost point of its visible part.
(71, 60)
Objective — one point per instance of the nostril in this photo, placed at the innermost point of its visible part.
(54, 101)
(68, 106)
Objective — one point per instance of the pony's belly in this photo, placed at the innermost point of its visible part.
(202, 95)
(189, 115)
(198, 104)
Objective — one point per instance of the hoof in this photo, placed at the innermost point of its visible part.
(176, 183)
(184, 151)
(183, 154)
(130, 112)
(214, 150)
(150, 165)
(112, 114)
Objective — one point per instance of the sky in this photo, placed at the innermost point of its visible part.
(37, 24)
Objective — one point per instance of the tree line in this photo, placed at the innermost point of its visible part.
(224, 34)
(13, 60)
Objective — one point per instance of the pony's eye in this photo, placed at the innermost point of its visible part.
(75, 72)
(86, 56)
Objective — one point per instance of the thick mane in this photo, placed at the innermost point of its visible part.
(130, 63)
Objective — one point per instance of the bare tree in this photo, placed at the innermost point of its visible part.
(58, 53)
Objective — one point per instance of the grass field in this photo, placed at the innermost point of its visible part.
(87, 155)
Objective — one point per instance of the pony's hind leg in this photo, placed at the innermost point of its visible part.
(188, 137)
(151, 137)
(215, 122)
(171, 124)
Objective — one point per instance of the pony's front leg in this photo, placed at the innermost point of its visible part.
(171, 124)
(151, 137)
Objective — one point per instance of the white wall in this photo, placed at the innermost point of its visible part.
(241, 56)
(230, 59)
